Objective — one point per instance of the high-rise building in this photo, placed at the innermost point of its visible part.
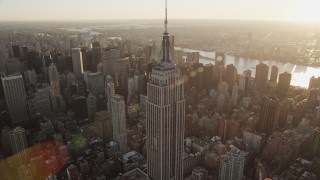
(284, 82)
(131, 89)
(118, 115)
(314, 82)
(223, 89)
(274, 74)
(77, 63)
(71, 80)
(165, 118)
(109, 93)
(18, 143)
(109, 58)
(231, 75)
(95, 83)
(13, 66)
(103, 122)
(54, 80)
(269, 113)
(232, 164)
(40, 102)
(234, 95)
(261, 79)
(92, 106)
(15, 95)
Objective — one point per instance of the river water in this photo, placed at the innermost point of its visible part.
(300, 74)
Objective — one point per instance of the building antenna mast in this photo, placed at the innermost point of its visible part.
(166, 18)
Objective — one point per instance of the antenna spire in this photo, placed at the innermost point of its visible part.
(166, 18)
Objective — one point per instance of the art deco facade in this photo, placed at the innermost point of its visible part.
(165, 118)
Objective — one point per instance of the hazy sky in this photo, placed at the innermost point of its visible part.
(153, 9)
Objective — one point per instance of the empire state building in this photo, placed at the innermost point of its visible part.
(165, 117)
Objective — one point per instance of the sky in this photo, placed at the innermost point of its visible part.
(28, 10)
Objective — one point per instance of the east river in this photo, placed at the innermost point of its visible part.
(300, 74)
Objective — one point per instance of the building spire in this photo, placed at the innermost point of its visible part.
(166, 18)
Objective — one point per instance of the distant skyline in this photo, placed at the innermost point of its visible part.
(288, 10)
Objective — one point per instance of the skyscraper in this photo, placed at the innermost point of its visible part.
(109, 93)
(119, 122)
(77, 62)
(231, 75)
(284, 82)
(269, 113)
(234, 95)
(109, 59)
(18, 143)
(274, 74)
(15, 95)
(92, 106)
(103, 123)
(165, 118)
(232, 164)
(262, 71)
(54, 80)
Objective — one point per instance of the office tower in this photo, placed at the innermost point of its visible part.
(220, 59)
(79, 107)
(109, 93)
(274, 74)
(4, 55)
(221, 101)
(313, 99)
(284, 82)
(13, 66)
(95, 83)
(58, 104)
(165, 118)
(77, 62)
(282, 115)
(143, 102)
(16, 51)
(223, 89)
(92, 106)
(131, 89)
(261, 79)
(71, 80)
(118, 115)
(138, 83)
(219, 74)
(269, 113)
(232, 164)
(242, 83)
(234, 95)
(314, 82)
(18, 143)
(122, 68)
(103, 122)
(231, 75)
(15, 95)
(208, 74)
(30, 77)
(109, 58)
(54, 80)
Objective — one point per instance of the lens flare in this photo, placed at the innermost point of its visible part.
(37, 162)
